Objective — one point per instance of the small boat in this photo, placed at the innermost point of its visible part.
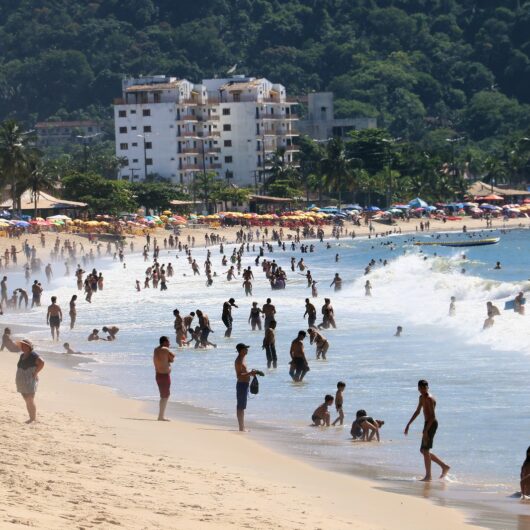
(468, 243)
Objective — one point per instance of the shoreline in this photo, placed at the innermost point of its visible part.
(95, 433)
(378, 484)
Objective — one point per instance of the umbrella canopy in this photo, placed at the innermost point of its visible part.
(488, 207)
(418, 203)
(372, 209)
(492, 197)
(58, 217)
(23, 224)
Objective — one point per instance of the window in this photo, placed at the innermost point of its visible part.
(226, 112)
(147, 128)
(156, 99)
(149, 145)
(124, 147)
(228, 159)
(228, 143)
(133, 111)
(125, 161)
(226, 127)
(122, 113)
(146, 112)
(123, 130)
(135, 144)
(135, 160)
(148, 161)
(133, 128)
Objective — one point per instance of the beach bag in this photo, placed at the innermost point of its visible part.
(254, 385)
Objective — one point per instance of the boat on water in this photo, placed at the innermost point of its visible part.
(466, 243)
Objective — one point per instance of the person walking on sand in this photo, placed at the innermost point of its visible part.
(162, 359)
(54, 316)
(243, 376)
(427, 402)
(28, 367)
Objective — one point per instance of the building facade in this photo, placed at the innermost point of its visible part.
(321, 124)
(177, 129)
(52, 133)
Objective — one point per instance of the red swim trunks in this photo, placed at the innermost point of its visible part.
(164, 382)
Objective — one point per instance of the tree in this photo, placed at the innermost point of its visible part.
(204, 185)
(156, 195)
(15, 155)
(40, 179)
(102, 196)
(235, 195)
(337, 167)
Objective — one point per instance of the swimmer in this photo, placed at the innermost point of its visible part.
(488, 323)
(112, 332)
(492, 310)
(321, 415)
(94, 336)
(337, 282)
(322, 344)
(452, 307)
(398, 332)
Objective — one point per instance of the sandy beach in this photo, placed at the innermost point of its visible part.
(96, 460)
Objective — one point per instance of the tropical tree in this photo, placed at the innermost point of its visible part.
(15, 154)
(231, 193)
(204, 185)
(337, 167)
(39, 178)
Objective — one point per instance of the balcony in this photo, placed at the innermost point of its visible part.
(189, 151)
(214, 166)
(188, 117)
(187, 134)
(188, 102)
(118, 101)
(190, 167)
(292, 148)
(208, 150)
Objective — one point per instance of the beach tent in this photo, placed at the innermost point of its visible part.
(418, 203)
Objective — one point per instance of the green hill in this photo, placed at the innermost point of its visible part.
(417, 65)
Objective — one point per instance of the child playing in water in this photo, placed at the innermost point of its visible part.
(321, 414)
(339, 399)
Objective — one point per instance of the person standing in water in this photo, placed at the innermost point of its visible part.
(54, 317)
(452, 307)
(427, 402)
(162, 359)
(73, 311)
(368, 288)
(298, 365)
(337, 282)
(269, 311)
(243, 376)
(226, 316)
(269, 345)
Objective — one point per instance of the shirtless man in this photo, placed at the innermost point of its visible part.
(54, 316)
(112, 332)
(322, 344)
(226, 316)
(328, 315)
(186, 324)
(8, 342)
(299, 366)
(204, 324)
(269, 311)
(311, 313)
(427, 402)
(492, 310)
(23, 297)
(162, 359)
(337, 282)
(243, 376)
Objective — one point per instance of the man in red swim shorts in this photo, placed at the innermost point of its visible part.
(162, 359)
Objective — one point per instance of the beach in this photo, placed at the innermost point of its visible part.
(111, 464)
(97, 460)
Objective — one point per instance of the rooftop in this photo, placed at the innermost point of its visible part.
(154, 86)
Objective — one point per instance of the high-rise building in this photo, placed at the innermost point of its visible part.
(177, 129)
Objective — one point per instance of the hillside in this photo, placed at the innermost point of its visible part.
(417, 65)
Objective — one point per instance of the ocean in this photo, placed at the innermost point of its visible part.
(479, 377)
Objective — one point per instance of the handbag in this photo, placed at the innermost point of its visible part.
(254, 385)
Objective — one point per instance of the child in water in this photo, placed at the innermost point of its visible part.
(321, 415)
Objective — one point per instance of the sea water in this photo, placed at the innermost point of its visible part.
(479, 377)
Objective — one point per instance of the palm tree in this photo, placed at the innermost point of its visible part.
(40, 178)
(337, 167)
(204, 185)
(15, 152)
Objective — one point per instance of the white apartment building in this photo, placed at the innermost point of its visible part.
(177, 129)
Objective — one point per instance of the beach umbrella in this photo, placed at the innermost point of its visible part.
(418, 203)
(372, 209)
(402, 206)
(431, 208)
(488, 207)
(58, 218)
(22, 224)
(492, 197)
